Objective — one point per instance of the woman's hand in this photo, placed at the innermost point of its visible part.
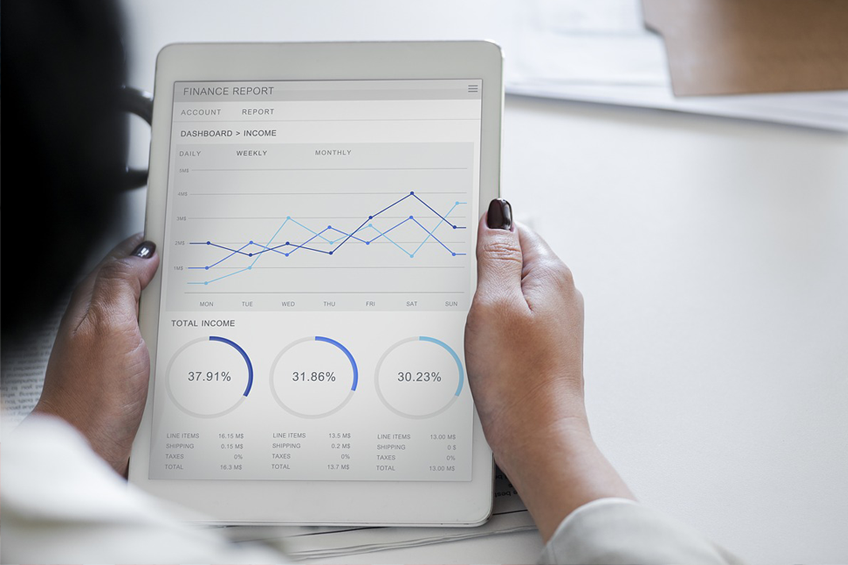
(524, 336)
(98, 371)
(524, 350)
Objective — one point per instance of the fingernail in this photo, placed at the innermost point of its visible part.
(144, 250)
(500, 215)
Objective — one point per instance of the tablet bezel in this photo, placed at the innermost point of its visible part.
(318, 502)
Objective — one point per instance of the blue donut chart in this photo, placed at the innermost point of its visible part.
(346, 352)
(215, 339)
(281, 401)
(450, 350)
(453, 397)
(238, 348)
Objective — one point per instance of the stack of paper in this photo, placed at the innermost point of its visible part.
(301, 543)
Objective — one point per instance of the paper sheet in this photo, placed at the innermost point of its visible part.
(600, 52)
(22, 366)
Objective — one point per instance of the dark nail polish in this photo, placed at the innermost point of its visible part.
(500, 215)
(144, 250)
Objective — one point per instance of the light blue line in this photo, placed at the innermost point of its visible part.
(387, 231)
(434, 237)
(430, 234)
(267, 244)
(427, 205)
(228, 275)
(382, 234)
(345, 233)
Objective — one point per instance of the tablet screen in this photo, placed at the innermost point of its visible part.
(317, 271)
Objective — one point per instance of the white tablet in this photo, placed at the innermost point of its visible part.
(315, 206)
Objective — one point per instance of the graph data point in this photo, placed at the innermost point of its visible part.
(412, 256)
(411, 192)
(367, 243)
(205, 282)
(251, 242)
(287, 243)
(410, 217)
(331, 252)
(329, 227)
(454, 227)
(288, 217)
(250, 254)
(457, 202)
(452, 253)
(286, 254)
(249, 267)
(370, 217)
(207, 268)
(208, 243)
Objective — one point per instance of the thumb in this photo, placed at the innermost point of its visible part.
(499, 258)
(115, 286)
(120, 281)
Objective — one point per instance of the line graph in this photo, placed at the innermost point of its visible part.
(375, 226)
(337, 239)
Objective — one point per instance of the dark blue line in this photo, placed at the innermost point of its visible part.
(274, 249)
(303, 245)
(355, 231)
(228, 256)
(313, 249)
(431, 209)
(218, 246)
(227, 248)
(390, 205)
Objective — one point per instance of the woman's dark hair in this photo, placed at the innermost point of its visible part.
(64, 146)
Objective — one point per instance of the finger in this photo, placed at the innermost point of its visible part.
(541, 265)
(121, 269)
(119, 282)
(499, 256)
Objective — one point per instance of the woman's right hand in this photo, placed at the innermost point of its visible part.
(524, 335)
(524, 351)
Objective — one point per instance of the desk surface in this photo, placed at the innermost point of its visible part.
(713, 258)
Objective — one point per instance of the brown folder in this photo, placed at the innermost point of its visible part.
(748, 46)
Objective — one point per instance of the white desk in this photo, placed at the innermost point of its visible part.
(713, 257)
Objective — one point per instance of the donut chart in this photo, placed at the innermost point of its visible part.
(209, 377)
(314, 377)
(419, 377)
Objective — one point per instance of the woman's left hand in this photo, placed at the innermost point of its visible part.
(98, 371)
